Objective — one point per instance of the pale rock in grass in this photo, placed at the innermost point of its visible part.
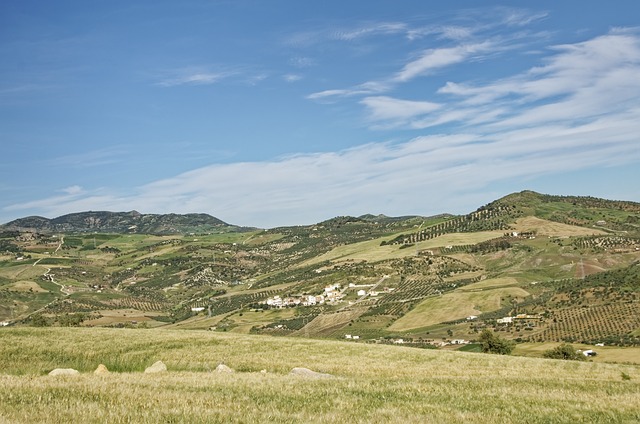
(102, 369)
(306, 372)
(222, 368)
(155, 368)
(64, 371)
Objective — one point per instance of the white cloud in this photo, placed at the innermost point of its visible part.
(388, 108)
(433, 59)
(194, 76)
(579, 109)
(384, 28)
(575, 83)
(518, 17)
(73, 190)
(302, 62)
(292, 77)
(371, 87)
(401, 178)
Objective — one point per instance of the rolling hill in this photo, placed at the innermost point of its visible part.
(534, 268)
(121, 222)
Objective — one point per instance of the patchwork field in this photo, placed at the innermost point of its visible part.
(372, 251)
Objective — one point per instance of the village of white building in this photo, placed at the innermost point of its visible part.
(331, 294)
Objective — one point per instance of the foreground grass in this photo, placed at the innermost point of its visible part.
(373, 383)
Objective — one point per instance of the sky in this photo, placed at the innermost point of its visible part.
(283, 112)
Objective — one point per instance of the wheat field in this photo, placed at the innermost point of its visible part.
(370, 384)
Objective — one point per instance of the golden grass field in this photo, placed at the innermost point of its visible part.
(371, 384)
(371, 250)
(543, 227)
(26, 286)
(610, 354)
(455, 305)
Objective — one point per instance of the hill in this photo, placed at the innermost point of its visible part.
(532, 267)
(365, 382)
(121, 222)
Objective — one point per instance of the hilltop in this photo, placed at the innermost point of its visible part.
(122, 223)
(534, 268)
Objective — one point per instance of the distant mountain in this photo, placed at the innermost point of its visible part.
(123, 222)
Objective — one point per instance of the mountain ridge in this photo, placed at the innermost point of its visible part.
(513, 204)
(122, 222)
(521, 265)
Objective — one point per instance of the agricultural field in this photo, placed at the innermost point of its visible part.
(372, 251)
(361, 382)
(605, 354)
(545, 228)
(531, 267)
(455, 306)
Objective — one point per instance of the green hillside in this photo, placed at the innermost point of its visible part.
(534, 268)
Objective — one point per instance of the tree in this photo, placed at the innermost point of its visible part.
(492, 343)
(71, 320)
(564, 351)
(39, 321)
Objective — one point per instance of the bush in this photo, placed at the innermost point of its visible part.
(564, 351)
(71, 320)
(39, 320)
(492, 343)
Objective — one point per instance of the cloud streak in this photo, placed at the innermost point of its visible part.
(194, 76)
(576, 108)
(435, 59)
(309, 188)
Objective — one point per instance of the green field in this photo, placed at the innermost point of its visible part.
(372, 251)
(456, 305)
(376, 277)
(370, 383)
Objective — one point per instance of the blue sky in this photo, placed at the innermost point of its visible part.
(268, 113)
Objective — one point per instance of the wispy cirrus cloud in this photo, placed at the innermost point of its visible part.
(302, 62)
(371, 87)
(99, 157)
(369, 30)
(571, 82)
(429, 61)
(433, 59)
(195, 76)
(469, 37)
(576, 82)
(292, 77)
(308, 188)
(387, 108)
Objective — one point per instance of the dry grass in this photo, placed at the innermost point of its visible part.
(456, 305)
(26, 286)
(115, 316)
(491, 283)
(373, 383)
(26, 271)
(371, 250)
(606, 354)
(542, 227)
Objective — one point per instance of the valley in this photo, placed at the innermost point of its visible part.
(533, 268)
